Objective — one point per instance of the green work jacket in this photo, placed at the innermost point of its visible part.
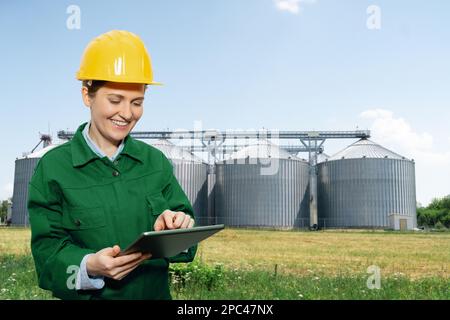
(80, 203)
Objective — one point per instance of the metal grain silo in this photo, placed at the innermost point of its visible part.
(211, 195)
(262, 186)
(364, 184)
(192, 174)
(24, 169)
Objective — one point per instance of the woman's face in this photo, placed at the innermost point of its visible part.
(115, 110)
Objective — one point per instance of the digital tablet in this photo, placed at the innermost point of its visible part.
(168, 243)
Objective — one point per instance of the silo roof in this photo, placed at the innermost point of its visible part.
(40, 153)
(365, 148)
(262, 149)
(174, 152)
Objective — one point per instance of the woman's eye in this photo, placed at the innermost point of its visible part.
(114, 101)
(137, 104)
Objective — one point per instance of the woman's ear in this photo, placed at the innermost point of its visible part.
(86, 99)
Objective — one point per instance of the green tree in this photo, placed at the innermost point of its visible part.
(3, 210)
(436, 214)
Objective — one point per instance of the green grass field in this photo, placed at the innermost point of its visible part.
(263, 264)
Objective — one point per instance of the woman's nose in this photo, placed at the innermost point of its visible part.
(126, 112)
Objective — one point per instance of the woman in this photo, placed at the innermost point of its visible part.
(95, 194)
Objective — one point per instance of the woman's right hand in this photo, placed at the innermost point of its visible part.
(106, 263)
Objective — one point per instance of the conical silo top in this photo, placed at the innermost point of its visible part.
(174, 152)
(40, 153)
(365, 148)
(262, 149)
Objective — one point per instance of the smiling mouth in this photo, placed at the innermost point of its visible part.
(120, 123)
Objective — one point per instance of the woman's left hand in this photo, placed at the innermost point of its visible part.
(173, 220)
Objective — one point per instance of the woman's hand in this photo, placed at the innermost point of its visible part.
(106, 263)
(173, 220)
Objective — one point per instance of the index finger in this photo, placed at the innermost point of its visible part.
(179, 219)
(168, 219)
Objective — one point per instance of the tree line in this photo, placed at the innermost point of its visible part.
(4, 209)
(436, 214)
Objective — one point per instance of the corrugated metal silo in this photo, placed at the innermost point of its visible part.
(192, 174)
(362, 185)
(9, 213)
(262, 186)
(211, 195)
(24, 169)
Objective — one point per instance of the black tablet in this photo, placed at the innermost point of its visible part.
(168, 243)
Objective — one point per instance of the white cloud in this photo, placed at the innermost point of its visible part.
(292, 6)
(6, 191)
(432, 167)
(397, 130)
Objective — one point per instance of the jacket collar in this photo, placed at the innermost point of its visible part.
(83, 154)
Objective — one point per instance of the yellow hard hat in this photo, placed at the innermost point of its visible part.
(117, 56)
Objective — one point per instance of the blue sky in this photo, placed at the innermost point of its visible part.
(235, 64)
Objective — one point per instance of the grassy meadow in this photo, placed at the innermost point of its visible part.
(265, 264)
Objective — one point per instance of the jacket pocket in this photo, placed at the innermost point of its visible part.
(157, 203)
(83, 218)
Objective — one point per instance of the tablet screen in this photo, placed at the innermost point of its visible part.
(168, 243)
